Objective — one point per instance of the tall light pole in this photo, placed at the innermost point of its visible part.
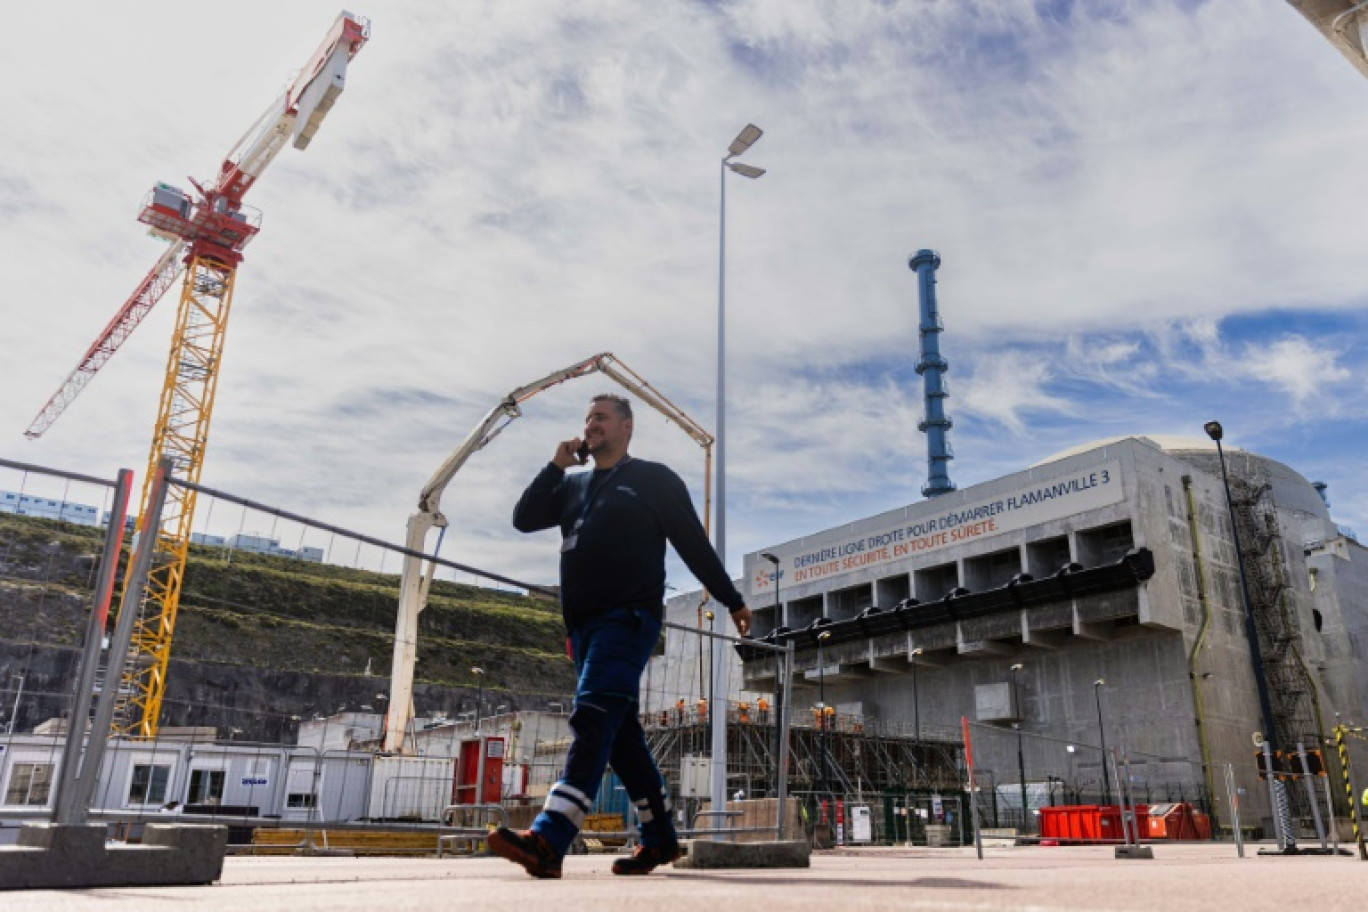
(1021, 760)
(1102, 733)
(1268, 742)
(821, 708)
(1215, 432)
(479, 699)
(744, 140)
(778, 674)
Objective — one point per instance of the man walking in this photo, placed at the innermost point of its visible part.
(614, 524)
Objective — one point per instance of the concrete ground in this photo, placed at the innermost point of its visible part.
(1181, 878)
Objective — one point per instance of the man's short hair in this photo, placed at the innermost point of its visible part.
(621, 403)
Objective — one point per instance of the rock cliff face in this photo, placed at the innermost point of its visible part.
(261, 641)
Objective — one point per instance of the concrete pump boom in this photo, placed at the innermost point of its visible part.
(414, 584)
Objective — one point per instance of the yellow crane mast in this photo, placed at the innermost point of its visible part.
(212, 227)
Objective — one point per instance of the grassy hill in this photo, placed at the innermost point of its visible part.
(277, 615)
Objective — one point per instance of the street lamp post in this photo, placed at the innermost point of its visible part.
(1215, 432)
(778, 674)
(1102, 734)
(1270, 735)
(821, 708)
(744, 140)
(479, 698)
(1021, 759)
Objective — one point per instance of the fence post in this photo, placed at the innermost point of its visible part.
(1233, 795)
(1309, 781)
(783, 711)
(134, 586)
(973, 802)
(66, 808)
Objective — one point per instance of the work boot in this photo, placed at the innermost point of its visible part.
(647, 858)
(527, 848)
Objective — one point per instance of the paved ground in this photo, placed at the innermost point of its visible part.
(1180, 878)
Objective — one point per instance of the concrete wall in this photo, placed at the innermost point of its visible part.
(1180, 691)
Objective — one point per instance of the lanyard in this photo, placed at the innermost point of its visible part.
(591, 499)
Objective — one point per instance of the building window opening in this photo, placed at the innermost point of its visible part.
(149, 784)
(1107, 545)
(29, 784)
(206, 787)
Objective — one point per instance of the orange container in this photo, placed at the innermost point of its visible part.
(1177, 821)
(1079, 823)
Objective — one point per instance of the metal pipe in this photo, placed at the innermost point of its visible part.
(1102, 733)
(134, 593)
(1196, 677)
(1021, 760)
(784, 712)
(720, 526)
(65, 809)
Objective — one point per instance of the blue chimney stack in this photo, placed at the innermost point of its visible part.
(932, 367)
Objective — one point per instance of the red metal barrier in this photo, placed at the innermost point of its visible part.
(1082, 823)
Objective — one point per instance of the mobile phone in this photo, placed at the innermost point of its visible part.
(582, 452)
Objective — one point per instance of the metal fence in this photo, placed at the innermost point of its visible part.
(282, 727)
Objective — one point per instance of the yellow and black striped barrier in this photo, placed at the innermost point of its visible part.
(1355, 808)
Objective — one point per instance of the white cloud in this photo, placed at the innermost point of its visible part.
(1008, 386)
(505, 188)
(1294, 365)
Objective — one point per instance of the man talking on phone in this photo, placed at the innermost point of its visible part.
(614, 524)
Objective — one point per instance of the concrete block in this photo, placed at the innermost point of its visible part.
(51, 856)
(708, 853)
(78, 840)
(1138, 851)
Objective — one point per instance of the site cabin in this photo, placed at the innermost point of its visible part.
(218, 779)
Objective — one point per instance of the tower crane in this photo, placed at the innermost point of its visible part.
(414, 583)
(207, 232)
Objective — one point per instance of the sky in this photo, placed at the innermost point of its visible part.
(1148, 214)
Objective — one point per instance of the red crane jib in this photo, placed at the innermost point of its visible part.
(213, 224)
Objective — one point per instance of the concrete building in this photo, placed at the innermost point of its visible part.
(48, 508)
(1094, 597)
(257, 544)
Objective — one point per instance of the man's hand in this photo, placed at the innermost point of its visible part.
(565, 454)
(742, 620)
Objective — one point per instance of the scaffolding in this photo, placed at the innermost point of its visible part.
(854, 758)
(1291, 692)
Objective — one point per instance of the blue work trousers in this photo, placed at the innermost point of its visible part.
(610, 652)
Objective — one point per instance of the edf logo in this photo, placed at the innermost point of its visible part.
(763, 579)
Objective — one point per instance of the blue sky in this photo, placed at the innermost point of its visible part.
(1147, 211)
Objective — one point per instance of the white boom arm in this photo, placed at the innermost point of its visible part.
(414, 583)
